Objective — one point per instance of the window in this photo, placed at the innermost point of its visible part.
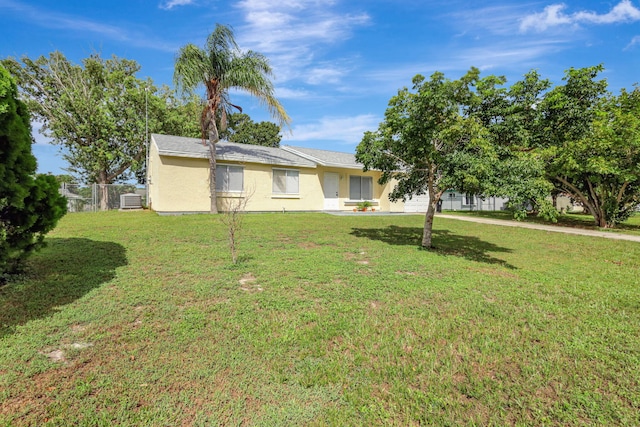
(360, 188)
(469, 199)
(229, 178)
(285, 181)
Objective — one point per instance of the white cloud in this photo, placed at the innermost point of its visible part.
(293, 34)
(505, 55)
(324, 75)
(170, 4)
(78, 24)
(501, 20)
(499, 57)
(554, 15)
(288, 93)
(551, 16)
(348, 130)
(634, 41)
(622, 12)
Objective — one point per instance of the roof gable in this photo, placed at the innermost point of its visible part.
(326, 157)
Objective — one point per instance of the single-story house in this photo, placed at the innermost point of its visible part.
(456, 201)
(273, 179)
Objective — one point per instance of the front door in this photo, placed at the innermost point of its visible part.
(331, 184)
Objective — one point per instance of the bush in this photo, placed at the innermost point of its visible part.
(30, 205)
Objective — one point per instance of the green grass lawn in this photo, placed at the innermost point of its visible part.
(136, 319)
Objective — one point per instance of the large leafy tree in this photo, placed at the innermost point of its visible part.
(241, 129)
(575, 139)
(177, 115)
(99, 112)
(514, 123)
(428, 143)
(221, 66)
(30, 205)
(95, 110)
(594, 145)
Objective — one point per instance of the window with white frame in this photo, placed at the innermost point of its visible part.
(286, 181)
(229, 178)
(469, 199)
(360, 188)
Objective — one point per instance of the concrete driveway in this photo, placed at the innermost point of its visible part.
(552, 228)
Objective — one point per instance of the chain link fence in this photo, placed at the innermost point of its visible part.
(102, 197)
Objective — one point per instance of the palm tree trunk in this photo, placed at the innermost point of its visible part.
(213, 140)
(212, 177)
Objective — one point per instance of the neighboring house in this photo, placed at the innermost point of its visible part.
(273, 179)
(75, 202)
(456, 201)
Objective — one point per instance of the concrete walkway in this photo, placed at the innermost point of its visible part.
(553, 228)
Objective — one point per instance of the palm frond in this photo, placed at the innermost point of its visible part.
(190, 68)
(221, 66)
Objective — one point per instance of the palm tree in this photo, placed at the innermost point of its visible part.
(221, 66)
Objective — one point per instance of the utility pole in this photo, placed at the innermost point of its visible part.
(146, 141)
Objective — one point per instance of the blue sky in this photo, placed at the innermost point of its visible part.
(336, 62)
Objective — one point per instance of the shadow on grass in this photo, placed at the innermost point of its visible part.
(444, 242)
(62, 272)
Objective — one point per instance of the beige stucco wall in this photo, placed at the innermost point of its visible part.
(180, 184)
(258, 186)
(389, 206)
(380, 193)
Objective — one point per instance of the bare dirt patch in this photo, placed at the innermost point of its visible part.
(248, 283)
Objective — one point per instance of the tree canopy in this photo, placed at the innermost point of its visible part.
(593, 151)
(429, 143)
(243, 130)
(96, 110)
(99, 111)
(523, 142)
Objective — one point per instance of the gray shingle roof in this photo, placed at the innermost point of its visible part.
(326, 158)
(179, 146)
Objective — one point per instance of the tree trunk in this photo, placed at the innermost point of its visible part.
(213, 139)
(428, 223)
(212, 177)
(600, 219)
(103, 191)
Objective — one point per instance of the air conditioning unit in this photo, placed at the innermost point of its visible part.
(130, 201)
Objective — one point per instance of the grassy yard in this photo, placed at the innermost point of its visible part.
(135, 319)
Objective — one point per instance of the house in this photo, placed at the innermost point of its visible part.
(457, 201)
(272, 179)
(75, 202)
(453, 200)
